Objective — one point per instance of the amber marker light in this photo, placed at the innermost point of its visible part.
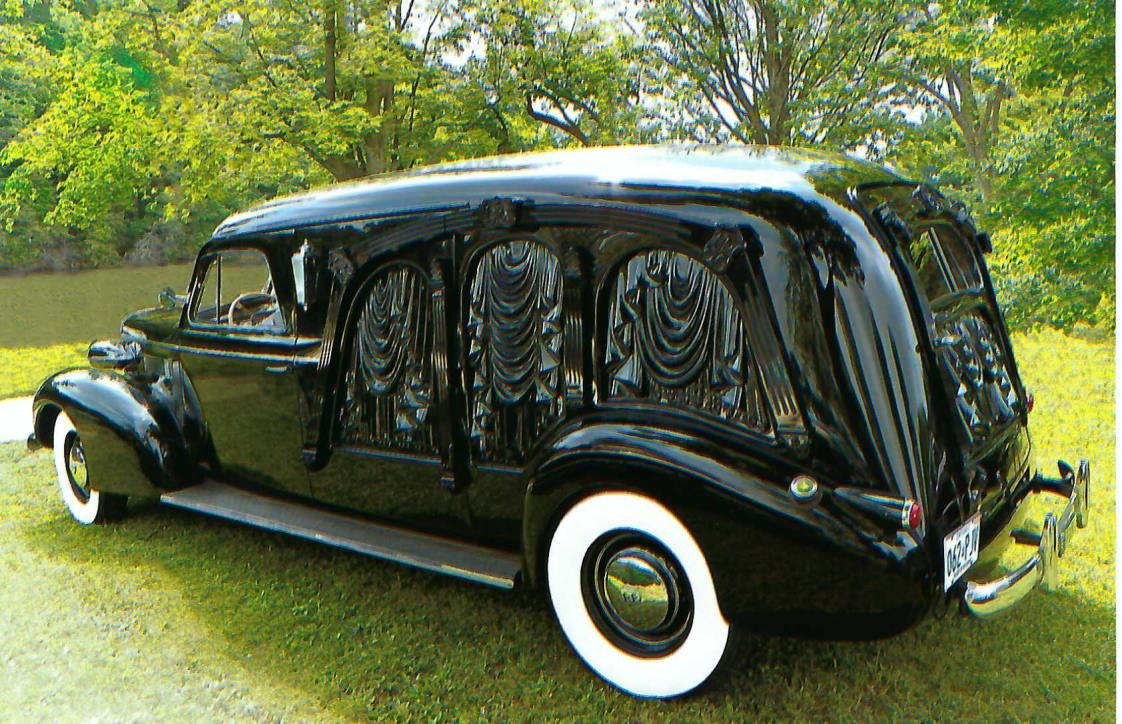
(804, 489)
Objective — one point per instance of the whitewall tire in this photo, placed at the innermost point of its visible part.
(634, 595)
(85, 503)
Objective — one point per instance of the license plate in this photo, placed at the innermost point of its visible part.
(960, 550)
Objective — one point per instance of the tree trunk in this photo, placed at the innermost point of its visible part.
(379, 104)
(329, 52)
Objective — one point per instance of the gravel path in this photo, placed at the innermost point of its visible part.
(15, 419)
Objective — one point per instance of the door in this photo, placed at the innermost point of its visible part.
(236, 346)
(390, 454)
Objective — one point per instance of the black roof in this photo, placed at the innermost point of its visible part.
(619, 173)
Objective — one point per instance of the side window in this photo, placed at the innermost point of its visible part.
(237, 292)
(943, 262)
(675, 336)
(389, 375)
(513, 338)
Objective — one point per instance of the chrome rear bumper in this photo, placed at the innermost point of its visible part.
(985, 599)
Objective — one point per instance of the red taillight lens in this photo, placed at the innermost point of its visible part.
(913, 515)
(1030, 401)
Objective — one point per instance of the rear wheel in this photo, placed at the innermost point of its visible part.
(634, 596)
(85, 503)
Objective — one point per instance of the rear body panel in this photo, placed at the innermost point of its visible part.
(984, 436)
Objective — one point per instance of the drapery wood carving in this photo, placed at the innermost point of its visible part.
(514, 347)
(676, 336)
(389, 382)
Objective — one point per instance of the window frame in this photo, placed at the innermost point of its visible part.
(203, 267)
(946, 263)
(604, 289)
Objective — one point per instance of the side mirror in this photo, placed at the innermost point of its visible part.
(169, 300)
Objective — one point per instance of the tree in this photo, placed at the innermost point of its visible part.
(557, 65)
(771, 71)
(946, 50)
(1020, 115)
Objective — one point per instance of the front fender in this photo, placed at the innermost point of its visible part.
(132, 443)
(778, 565)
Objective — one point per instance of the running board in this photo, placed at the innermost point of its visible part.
(432, 553)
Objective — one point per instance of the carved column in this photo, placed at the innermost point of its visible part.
(440, 370)
(573, 326)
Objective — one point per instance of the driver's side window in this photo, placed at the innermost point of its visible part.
(237, 293)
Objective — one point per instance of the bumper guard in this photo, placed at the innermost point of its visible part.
(991, 598)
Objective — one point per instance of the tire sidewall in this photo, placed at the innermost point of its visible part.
(85, 512)
(700, 653)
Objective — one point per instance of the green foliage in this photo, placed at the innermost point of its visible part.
(1020, 101)
(555, 64)
(100, 136)
(125, 121)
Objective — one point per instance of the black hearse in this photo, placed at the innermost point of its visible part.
(680, 389)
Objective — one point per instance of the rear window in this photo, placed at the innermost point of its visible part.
(944, 262)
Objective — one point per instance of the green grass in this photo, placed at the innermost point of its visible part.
(48, 320)
(169, 614)
(23, 368)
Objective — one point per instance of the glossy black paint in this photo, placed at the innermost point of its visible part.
(832, 569)
(133, 444)
(838, 363)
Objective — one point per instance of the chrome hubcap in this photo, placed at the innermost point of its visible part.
(76, 465)
(639, 590)
(636, 594)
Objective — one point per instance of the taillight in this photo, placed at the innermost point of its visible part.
(1030, 401)
(912, 515)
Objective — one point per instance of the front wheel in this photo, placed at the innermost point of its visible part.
(634, 596)
(85, 503)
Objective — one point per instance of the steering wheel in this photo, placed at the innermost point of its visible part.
(246, 299)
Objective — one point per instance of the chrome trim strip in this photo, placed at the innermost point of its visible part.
(284, 357)
(986, 599)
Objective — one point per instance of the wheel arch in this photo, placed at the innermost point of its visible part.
(43, 422)
(592, 456)
(133, 444)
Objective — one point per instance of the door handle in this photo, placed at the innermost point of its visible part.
(278, 369)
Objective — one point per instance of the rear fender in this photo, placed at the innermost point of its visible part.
(689, 470)
(132, 443)
(774, 561)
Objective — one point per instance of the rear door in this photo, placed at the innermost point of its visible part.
(976, 369)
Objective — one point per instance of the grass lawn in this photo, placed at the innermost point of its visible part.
(169, 614)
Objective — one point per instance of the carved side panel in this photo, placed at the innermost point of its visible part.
(514, 341)
(389, 380)
(675, 336)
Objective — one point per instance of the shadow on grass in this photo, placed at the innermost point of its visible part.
(368, 638)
